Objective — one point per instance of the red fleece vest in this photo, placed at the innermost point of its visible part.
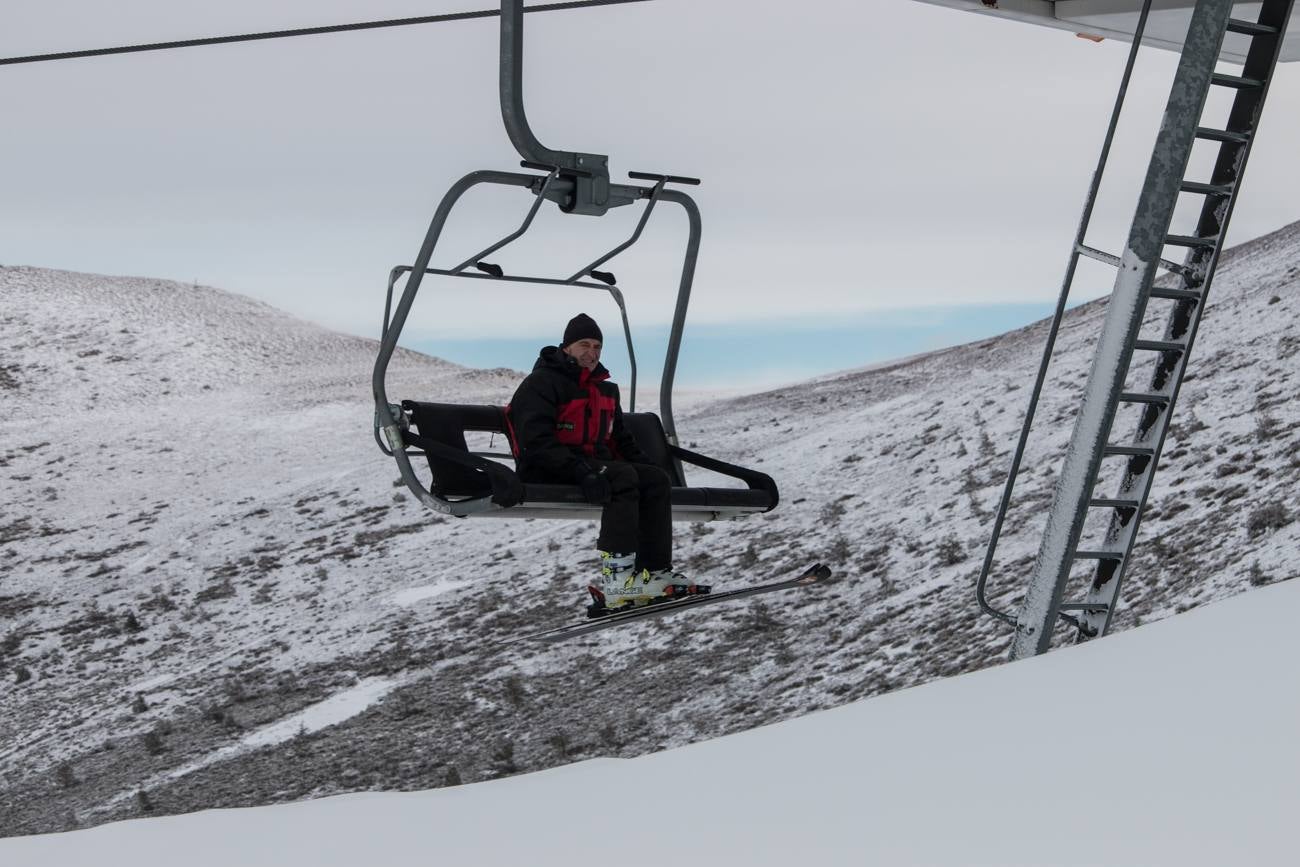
(585, 421)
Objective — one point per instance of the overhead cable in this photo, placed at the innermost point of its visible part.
(304, 31)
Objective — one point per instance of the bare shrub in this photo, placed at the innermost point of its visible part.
(159, 601)
(153, 743)
(1257, 576)
(1270, 516)
(559, 742)
(832, 512)
(759, 621)
(840, 550)
(950, 551)
(1266, 424)
(224, 589)
(235, 689)
(514, 691)
(503, 759)
(65, 776)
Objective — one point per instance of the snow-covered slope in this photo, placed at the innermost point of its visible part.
(212, 592)
(1002, 767)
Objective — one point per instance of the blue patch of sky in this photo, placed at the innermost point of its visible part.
(763, 353)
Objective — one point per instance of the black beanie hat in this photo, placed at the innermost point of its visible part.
(581, 327)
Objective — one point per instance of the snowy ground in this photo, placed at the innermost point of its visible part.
(200, 543)
(1172, 744)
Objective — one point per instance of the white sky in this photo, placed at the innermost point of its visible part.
(1169, 744)
(855, 154)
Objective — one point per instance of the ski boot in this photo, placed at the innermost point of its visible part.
(622, 586)
(673, 584)
(617, 571)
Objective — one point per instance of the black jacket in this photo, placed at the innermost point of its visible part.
(562, 414)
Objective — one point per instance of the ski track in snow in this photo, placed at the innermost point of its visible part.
(336, 709)
(413, 595)
(333, 710)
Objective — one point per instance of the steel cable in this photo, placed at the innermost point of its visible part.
(303, 31)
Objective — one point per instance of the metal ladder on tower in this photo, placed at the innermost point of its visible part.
(1044, 605)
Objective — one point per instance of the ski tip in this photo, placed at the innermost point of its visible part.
(816, 572)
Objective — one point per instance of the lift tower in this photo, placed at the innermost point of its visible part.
(1211, 36)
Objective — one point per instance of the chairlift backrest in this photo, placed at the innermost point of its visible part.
(446, 423)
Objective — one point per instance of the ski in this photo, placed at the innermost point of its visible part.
(815, 574)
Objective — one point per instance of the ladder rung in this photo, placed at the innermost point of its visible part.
(1093, 253)
(1105, 503)
(1114, 261)
(1130, 451)
(1086, 607)
(1160, 345)
(1175, 294)
(1250, 28)
(1191, 241)
(1206, 189)
(1222, 135)
(1144, 397)
(1235, 81)
(1098, 555)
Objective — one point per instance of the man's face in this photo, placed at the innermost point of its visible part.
(585, 351)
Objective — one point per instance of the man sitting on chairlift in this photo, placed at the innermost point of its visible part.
(568, 429)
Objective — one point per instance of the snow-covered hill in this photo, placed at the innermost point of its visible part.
(1003, 767)
(212, 593)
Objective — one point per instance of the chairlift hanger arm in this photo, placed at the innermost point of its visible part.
(512, 102)
(592, 193)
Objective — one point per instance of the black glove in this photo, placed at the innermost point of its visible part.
(595, 487)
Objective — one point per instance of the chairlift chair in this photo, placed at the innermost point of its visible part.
(469, 483)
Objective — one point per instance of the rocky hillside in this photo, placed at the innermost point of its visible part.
(212, 593)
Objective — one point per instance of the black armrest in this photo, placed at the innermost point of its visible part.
(753, 478)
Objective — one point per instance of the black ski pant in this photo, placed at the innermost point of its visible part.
(638, 516)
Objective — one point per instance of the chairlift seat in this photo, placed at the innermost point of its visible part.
(461, 484)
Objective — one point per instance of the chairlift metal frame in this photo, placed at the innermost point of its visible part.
(578, 183)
